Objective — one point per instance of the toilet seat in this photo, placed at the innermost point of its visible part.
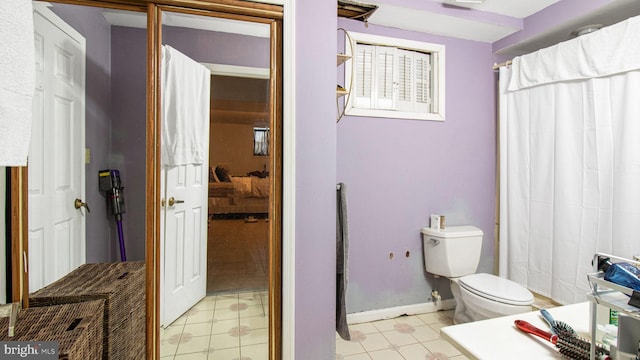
(496, 288)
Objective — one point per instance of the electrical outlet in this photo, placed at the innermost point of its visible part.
(87, 155)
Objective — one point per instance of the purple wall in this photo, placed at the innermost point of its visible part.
(91, 24)
(315, 182)
(398, 172)
(128, 64)
(219, 48)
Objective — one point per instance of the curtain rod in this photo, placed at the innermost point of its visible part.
(497, 66)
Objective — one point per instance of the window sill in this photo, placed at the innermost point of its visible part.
(391, 114)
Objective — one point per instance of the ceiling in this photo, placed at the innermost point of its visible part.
(493, 20)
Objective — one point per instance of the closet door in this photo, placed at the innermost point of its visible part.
(56, 154)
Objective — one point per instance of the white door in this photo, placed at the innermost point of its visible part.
(184, 188)
(56, 154)
(184, 269)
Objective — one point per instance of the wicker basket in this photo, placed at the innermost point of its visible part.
(122, 287)
(76, 327)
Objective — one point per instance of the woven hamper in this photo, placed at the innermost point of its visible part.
(76, 327)
(122, 286)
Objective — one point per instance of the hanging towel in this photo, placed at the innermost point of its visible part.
(185, 109)
(342, 252)
(17, 80)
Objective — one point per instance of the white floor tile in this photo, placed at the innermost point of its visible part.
(346, 348)
(203, 355)
(258, 336)
(375, 342)
(387, 354)
(224, 341)
(396, 338)
(413, 352)
(167, 349)
(224, 314)
(411, 320)
(384, 325)
(366, 328)
(223, 326)
(198, 329)
(197, 316)
(255, 322)
(364, 356)
(425, 333)
(441, 346)
(193, 344)
(225, 354)
(255, 352)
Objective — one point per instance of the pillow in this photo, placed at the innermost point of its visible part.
(222, 174)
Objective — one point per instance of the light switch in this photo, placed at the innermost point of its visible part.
(87, 155)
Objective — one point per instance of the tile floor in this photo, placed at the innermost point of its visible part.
(220, 327)
(234, 326)
(415, 337)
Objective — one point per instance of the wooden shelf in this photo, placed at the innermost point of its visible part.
(342, 58)
(340, 91)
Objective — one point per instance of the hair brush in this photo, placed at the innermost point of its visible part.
(571, 347)
(557, 327)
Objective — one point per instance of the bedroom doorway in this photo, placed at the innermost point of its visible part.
(238, 228)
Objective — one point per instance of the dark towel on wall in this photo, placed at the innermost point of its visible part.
(342, 251)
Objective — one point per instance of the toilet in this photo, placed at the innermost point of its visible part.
(454, 253)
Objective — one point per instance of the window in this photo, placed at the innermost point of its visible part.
(395, 78)
(260, 141)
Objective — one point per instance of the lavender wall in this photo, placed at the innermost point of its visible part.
(219, 48)
(315, 215)
(398, 172)
(91, 24)
(128, 65)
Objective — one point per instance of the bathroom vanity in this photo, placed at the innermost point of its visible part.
(499, 339)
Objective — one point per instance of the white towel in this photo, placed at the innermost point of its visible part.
(17, 80)
(185, 109)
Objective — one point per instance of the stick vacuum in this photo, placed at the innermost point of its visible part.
(111, 187)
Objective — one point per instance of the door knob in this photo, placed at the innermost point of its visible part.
(78, 204)
(173, 201)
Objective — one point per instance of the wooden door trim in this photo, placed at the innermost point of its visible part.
(152, 197)
(19, 235)
(275, 228)
(238, 7)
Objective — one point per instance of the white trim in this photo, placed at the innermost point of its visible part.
(438, 63)
(238, 71)
(289, 183)
(390, 313)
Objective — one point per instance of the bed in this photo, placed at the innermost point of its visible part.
(240, 197)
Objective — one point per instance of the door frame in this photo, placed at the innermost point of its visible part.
(277, 13)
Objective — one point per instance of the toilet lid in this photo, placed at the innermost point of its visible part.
(497, 289)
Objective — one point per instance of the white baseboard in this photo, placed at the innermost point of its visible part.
(389, 313)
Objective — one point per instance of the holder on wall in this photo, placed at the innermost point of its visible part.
(344, 92)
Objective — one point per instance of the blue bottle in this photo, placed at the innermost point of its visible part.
(621, 273)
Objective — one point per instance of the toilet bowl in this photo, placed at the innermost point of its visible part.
(486, 296)
(454, 253)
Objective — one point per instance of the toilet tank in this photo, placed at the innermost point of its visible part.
(453, 251)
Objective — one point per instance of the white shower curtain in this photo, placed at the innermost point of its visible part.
(570, 160)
